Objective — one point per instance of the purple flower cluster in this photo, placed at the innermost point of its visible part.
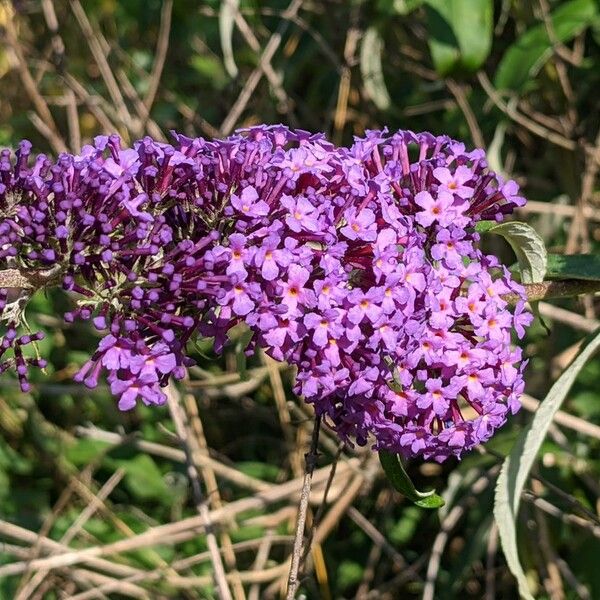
(360, 266)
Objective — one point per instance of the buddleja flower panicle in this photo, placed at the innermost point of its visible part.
(359, 265)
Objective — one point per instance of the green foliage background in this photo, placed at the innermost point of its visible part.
(520, 78)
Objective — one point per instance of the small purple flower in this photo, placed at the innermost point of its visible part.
(294, 291)
(143, 386)
(242, 303)
(365, 305)
(248, 203)
(454, 182)
(434, 210)
(116, 353)
(324, 327)
(361, 225)
(272, 259)
(157, 363)
(239, 255)
(302, 214)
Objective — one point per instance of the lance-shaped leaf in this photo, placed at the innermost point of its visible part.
(371, 69)
(574, 266)
(460, 33)
(399, 478)
(226, 23)
(524, 59)
(518, 463)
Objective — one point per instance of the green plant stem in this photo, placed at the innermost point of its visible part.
(547, 290)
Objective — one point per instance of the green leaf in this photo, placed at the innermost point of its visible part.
(524, 59)
(494, 151)
(85, 450)
(460, 33)
(247, 532)
(371, 69)
(258, 470)
(399, 478)
(143, 478)
(226, 23)
(574, 266)
(527, 245)
(518, 463)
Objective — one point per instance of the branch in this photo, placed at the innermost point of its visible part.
(546, 290)
(34, 279)
(29, 279)
(310, 461)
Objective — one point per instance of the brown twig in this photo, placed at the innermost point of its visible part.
(285, 104)
(552, 581)
(160, 57)
(59, 61)
(592, 166)
(143, 121)
(490, 572)
(171, 533)
(199, 446)
(566, 288)
(101, 61)
(317, 518)
(48, 545)
(253, 80)
(93, 505)
(43, 114)
(558, 210)
(344, 502)
(310, 461)
(260, 560)
(228, 473)
(341, 110)
(283, 412)
(49, 521)
(247, 577)
(379, 539)
(554, 511)
(92, 102)
(575, 585)
(448, 524)
(564, 419)
(458, 91)
(532, 126)
(182, 432)
(73, 121)
(190, 561)
(556, 313)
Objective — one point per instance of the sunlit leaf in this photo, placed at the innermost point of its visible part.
(401, 481)
(460, 33)
(143, 478)
(528, 54)
(518, 463)
(226, 24)
(371, 69)
(574, 266)
(527, 245)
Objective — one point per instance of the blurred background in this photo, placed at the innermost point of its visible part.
(95, 503)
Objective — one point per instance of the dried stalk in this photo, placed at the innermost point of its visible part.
(310, 462)
(194, 476)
